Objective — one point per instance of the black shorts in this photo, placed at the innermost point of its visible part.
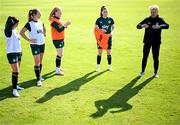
(14, 57)
(58, 43)
(37, 49)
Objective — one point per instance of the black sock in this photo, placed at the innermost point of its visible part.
(40, 68)
(58, 61)
(14, 79)
(37, 72)
(109, 58)
(98, 59)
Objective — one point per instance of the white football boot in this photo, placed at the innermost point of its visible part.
(97, 68)
(15, 93)
(39, 83)
(141, 74)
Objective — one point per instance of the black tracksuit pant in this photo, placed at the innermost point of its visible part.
(152, 38)
(155, 53)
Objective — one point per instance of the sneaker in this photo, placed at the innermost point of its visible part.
(39, 83)
(110, 68)
(15, 93)
(59, 72)
(61, 69)
(156, 75)
(41, 78)
(97, 68)
(19, 88)
(141, 74)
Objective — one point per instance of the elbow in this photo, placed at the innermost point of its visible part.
(21, 33)
(60, 29)
(138, 27)
(165, 26)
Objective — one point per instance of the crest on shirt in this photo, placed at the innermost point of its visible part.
(39, 31)
(157, 23)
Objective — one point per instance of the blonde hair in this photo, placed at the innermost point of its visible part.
(154, 7)
(53, 12)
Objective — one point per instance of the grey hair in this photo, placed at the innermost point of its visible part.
(154, 7)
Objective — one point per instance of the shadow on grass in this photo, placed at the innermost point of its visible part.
(69, 87)
(120, 98)
(7, 92)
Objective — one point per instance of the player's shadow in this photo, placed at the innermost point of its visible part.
(120, 98)
(69, 87)
(7, 92)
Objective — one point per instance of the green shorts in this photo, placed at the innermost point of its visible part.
(58, 43)
(14, 57)
(37, 49)
(109, 44)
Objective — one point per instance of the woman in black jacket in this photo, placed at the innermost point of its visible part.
(152, 38)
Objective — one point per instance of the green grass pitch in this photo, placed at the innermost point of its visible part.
(85, 97)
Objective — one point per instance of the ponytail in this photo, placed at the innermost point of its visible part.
(11, 21)
(31, 14)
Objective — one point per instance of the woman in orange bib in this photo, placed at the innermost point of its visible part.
(57, 34)
(104, 29)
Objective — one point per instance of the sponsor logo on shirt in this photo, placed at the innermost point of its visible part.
(105, 27)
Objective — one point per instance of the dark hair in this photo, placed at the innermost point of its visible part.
(31, 14)
(102, 8)
(11, 21)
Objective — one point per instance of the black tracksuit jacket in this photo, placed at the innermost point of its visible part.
(153, 35)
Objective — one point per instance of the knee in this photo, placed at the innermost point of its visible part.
(37, 60)
(145, 57)
(99, 53)
(15, 68)
(155, 58)
(37, 63)
(60, 54)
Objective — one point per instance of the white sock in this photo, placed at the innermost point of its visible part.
(98, 66)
